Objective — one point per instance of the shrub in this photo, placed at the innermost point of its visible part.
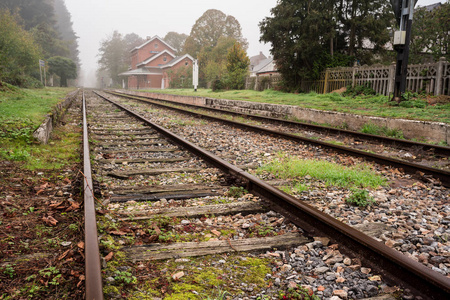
(413, 104)
(217, 85)
(359, 90)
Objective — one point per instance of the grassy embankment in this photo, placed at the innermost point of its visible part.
(21, 112)
(40, 216)
(380, 106)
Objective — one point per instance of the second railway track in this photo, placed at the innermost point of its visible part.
(414, 157)
(159, 193)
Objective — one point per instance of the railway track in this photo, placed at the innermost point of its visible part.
(416, 158)
(162, 190)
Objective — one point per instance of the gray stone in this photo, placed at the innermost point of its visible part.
(321, 270)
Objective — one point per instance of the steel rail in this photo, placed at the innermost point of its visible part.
(396, 268)
(94, 290)
(411, 168)
(406, 144)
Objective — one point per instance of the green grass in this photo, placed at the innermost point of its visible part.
(358, 175)
(21, 112)
(382, 130)
(364, 105)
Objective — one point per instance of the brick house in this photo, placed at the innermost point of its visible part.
(154, 65)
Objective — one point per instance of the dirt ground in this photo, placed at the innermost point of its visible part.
(41, 233)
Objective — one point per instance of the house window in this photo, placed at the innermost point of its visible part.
(186, 63)
(156, 45)
(165, 58)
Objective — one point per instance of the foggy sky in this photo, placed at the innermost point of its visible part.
(95, 20)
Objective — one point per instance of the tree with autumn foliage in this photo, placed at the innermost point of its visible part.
(213, 61)
(209, 28)
(237, 67)
(176, 40)
(212, 35)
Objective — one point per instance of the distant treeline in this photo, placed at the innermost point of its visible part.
(31, 30)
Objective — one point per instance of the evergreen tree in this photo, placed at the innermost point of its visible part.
(307, 36)
(32, 12)
(64, 26)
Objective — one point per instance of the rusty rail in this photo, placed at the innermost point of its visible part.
(395, 268)
(94, 290)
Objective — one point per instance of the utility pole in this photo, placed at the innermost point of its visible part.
(403, 11)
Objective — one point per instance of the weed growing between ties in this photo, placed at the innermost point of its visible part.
(236, 191)
(360, 198)
(298, 293)
(358, 175)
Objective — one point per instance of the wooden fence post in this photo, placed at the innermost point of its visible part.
(353, 76)
(391, 78)
(325, 86)
(439, 76)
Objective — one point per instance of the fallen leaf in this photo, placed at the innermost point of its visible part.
(117, 232)
(67, 180)
(63, 255)
(56, 204)
(178, 275)
(74, 206)
(157, 230)
(151, 239)
(375, 278)
(109, 256)
(50, 221)
(217, 233)
(81, 245)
